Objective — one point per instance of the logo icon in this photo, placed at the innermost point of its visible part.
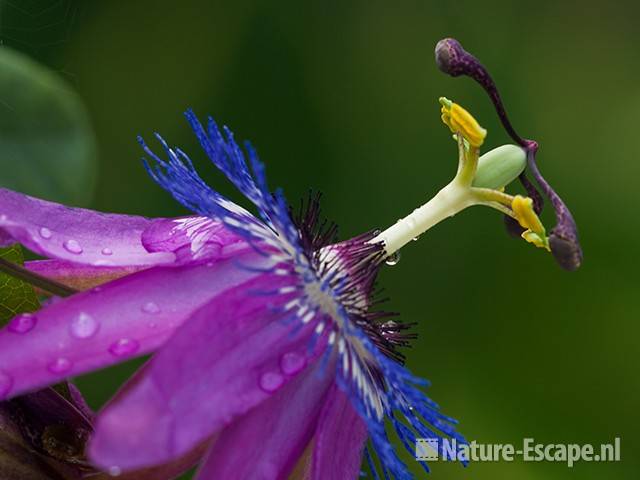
(427, 449)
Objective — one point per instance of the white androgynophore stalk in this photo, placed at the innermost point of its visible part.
(474, 184)
(450, 200)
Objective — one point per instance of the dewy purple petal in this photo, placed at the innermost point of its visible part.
(282, 425)
(102, 241)
(75, 234)
(205, 377)
(191, 239)
(58, 347)
(339, 439)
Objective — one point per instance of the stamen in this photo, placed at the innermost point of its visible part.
(523, 209)
(460, 120)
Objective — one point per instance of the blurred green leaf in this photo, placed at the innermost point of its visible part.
(16, 296)
(47, 146)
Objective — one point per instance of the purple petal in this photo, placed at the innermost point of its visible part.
(78, 401)
(77, 275)
(268, 441)
(6, 239)
(75, 234)
(339, 440)
(166, 471)
(130, 316)
(230, 356)
(191, 238)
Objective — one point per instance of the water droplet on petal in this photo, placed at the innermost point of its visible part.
(83, 326)
(151, 307)
(123, 347)
(6, 382)
(45, 233)
(60, 365)
(415, 239)
(270, 382)
(292, 362)
(72, 246)
(102, 263)
(115, 471)
(22, 323)
(393, 259)
(107, 251)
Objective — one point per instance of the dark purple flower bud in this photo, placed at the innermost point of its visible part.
(52, 423)
(42, 435)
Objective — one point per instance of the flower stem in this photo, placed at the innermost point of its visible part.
(46, 284)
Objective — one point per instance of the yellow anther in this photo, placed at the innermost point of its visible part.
(527, 218)
(459, 120)
(523, 209)
(534, 238)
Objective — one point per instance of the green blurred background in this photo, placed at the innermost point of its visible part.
(342, 97)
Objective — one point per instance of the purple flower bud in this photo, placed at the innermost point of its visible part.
(42, 435)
